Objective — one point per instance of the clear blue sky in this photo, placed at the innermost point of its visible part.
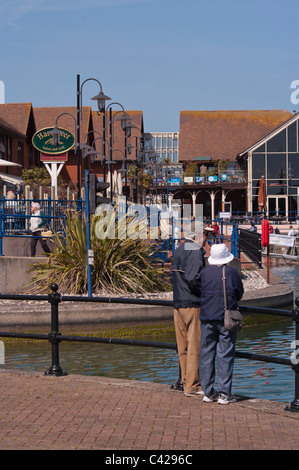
(158, 56)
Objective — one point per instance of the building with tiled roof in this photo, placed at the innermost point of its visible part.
(17, 126)
(219, 135)
(210, 141)
(275, 157)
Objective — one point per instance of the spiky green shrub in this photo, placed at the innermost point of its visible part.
(121, 264)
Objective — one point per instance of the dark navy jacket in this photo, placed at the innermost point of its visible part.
(212, 300)
(185, 274)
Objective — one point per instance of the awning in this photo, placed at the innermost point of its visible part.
(7, 163)
(12, 179)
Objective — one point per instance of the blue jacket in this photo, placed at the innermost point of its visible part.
(185, 274)
(212, 300)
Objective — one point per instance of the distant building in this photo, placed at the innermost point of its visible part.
(276, 157)
(166, 146)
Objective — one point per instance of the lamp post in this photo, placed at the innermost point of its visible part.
(124, 118)
(101, 98)
(87, 150)
(138, 154)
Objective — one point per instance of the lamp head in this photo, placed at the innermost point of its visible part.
(101, 99)
(55, 133)
(123, 119)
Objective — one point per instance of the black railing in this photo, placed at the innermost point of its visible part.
(55, 337)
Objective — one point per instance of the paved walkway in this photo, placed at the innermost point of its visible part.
(75, 412)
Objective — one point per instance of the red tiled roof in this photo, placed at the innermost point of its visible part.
(46, 117)
(10, 129)
(16, 115)
(222, 135)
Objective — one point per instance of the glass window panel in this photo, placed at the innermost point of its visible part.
(20, 153)
(255, 190)
(276, 166)
(175, 157)
(153, 141)
(254, 204)
(258, 165)
(292, 137)
(294, 183)
(277, 189)
(260, 149)
(272, 205)
(277, 143)
(158, 142)
(175, 143)
(294, 165)
(164, 140)
(169, 143)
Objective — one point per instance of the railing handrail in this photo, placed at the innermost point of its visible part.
(55, 337)
(140, 301)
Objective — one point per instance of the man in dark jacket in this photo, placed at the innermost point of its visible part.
(188, 260)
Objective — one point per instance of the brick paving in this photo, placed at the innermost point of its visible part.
(77, 412)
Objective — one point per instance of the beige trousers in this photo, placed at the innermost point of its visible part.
(187, 329)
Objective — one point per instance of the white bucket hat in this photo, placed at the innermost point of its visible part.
(220, 254)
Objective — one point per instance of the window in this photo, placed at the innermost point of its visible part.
(277, 143)
(292, 137)
(293, 165)
(258, 165)
(9, 147)
(277, 189)
(21, 153)
(276, 166)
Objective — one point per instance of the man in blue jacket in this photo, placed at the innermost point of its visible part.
(216, 340)
(188, 261)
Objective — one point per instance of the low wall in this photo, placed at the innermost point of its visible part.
(19, 246)
(14, 273)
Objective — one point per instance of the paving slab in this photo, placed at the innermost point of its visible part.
(77, 412)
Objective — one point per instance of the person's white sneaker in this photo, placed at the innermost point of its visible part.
(225, 399)
(210, 399)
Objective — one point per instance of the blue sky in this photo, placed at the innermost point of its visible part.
(158, 56)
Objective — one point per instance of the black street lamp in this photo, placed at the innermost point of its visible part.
(101, 99)
(124, 118)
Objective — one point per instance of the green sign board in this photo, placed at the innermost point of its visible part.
(43, 141)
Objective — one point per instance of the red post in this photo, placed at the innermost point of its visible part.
(265, 242)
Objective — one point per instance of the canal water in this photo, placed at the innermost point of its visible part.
(251, 378)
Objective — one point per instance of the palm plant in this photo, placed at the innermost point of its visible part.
(122, 264)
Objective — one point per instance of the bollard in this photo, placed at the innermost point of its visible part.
(294, 406)
(54, 298)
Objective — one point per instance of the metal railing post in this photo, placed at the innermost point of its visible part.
(54, 298)
(294, 406)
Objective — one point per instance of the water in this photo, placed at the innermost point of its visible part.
(251, 378)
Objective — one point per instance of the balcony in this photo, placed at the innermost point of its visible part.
(222, 177)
